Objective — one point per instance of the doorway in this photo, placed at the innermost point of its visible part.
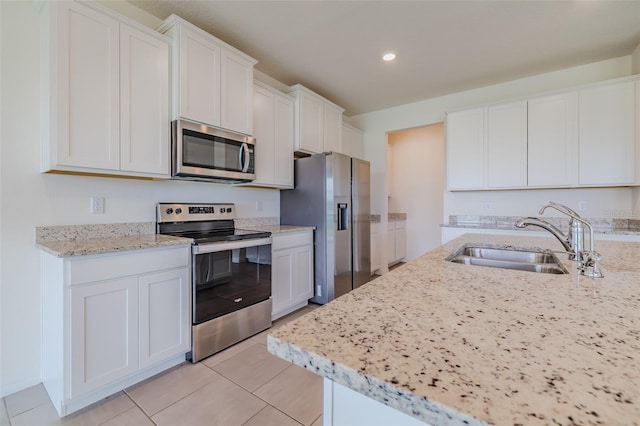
(415, 171)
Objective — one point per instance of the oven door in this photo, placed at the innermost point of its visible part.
(203, 152)
(228, 276)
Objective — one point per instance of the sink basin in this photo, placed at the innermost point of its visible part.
(521, 259)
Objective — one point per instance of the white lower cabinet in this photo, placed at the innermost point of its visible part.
(110, 321)
(376, 262)
(291, 271)
(396, 241)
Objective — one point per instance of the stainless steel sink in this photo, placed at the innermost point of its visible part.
(522, 259)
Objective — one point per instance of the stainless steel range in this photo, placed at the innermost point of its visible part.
(231, 274)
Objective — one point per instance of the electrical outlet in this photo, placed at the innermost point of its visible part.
(582, 206)
(259, 206)
(97, 205)
(487, 205)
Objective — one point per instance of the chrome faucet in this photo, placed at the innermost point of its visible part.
(588, 262)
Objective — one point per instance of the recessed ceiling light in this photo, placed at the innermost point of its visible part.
(389, 56)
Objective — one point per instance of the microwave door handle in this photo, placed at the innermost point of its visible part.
(244, 157)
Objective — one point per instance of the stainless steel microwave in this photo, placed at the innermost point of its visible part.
(200, 152)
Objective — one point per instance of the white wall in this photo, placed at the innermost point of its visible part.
(30, 199)
(377, 125)
(417, 184)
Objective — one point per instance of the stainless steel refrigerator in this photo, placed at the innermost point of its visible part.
(332, 193)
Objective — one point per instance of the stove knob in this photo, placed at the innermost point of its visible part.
(178, 210)
(221, 209)
(169, 210)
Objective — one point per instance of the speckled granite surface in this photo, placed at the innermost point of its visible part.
(450, 343)
(600, 225)
(80, 240)
(109, 245)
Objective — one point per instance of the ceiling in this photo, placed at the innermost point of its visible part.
(443, 47)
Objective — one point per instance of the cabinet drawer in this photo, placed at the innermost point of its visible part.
(111, 266)
(284, 241)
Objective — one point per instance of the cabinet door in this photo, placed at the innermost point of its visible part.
(303, 278)
(400, 240)
(104, 333)
(310, 132)
(607, 134)
(465, 149)
(282, 288)
(164, 316)
(236, 86)
(199, 78)
(391, 243)
(283, 132)
(507, 145)
(332, 133)
(375, 247)
(263, 130)
(144, 107)
(87, 88)
(352, 144)
(552, 143)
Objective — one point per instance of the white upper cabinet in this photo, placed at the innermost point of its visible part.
(332, 134)
(214, 81)
(552, 141)
(607, 134)
(318, 122)
(273, 130)
(106, 93)
(352, 143)
(466, 149)
(507, 145)
(584, 137)
(144, 106)
(236, 85)
(198, 76)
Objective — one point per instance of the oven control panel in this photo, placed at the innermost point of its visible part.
(176, 212)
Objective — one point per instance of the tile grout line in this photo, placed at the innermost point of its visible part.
(124, 391)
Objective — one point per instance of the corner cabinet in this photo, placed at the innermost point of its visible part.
(105, 98)
(318, 122)
(273, 130)
(112, 320)
(212, 81)
(292, 271)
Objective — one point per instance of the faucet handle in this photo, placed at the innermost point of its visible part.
(589, 264)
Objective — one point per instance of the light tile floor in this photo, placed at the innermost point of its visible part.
(242, 385)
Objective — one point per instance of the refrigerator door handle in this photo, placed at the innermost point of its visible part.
(343, 216)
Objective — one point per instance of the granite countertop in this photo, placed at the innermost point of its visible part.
(83, 247)
(81, 240)
(450, 343)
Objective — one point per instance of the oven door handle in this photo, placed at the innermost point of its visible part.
(229, 245)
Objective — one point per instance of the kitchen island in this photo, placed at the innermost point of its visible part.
(447, 343)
